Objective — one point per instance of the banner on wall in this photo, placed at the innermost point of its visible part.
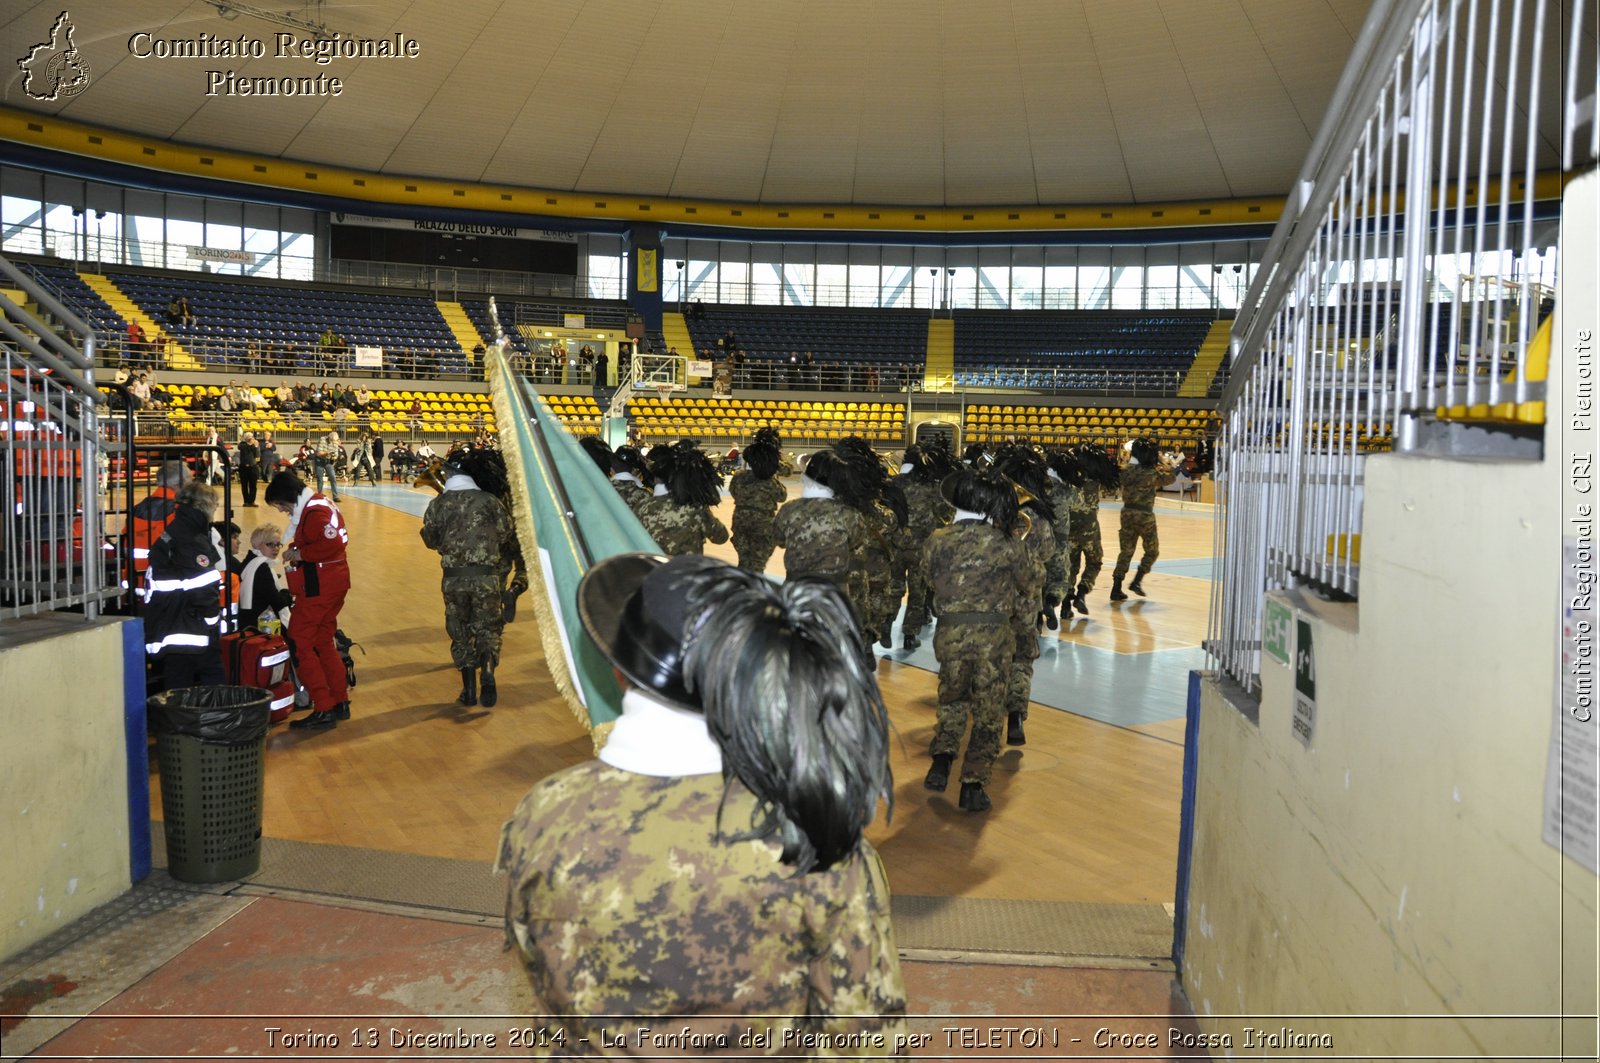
(648, 257)
(369, 357)
(572, 321)
(221, 254)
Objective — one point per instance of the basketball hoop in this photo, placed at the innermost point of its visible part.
(665, 391)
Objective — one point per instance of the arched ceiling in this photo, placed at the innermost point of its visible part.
(931, 103)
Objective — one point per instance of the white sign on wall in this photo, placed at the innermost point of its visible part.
(369, 357)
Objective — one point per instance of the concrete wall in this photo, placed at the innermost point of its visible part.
(1396, 866)
(65, 773)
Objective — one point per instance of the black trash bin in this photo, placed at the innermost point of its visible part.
(211, 749)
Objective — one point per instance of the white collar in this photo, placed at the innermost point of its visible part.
(660, 491)
(460, 481)
(655, 737)
(967, 514)
(1132, 460)
(294, 515)
(1053, 475)
(906, 467)
(809, 488)
(625, 477)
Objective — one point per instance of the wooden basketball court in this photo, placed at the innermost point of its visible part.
(1087, 811)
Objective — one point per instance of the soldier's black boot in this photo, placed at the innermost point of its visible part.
(1050, 606)
(1137, 586)
(1116, 591)
(909, 639)
(469, 687)
(939, 775)
(487, 695)
(973, 797)
(886, 640)
(1078, 601)
(1014, 734)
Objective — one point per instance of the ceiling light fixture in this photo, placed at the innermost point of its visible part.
(316, 28)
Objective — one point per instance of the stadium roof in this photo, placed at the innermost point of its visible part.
(934, 103)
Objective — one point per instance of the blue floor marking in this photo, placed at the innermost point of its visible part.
(403, 497)
(1116, 688)
(1193, 567)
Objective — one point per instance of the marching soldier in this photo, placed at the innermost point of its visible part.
(1037, 534)
(821, 536)
(678, 515)
(757, 494)
(472, 531)
(630, 476)
(1141, 479)
(979, 575)
(924, 468)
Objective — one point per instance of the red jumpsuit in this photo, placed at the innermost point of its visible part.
(319, 582)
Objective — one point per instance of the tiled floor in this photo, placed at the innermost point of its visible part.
(233, 977)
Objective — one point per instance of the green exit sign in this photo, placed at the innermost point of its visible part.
(1276, 627)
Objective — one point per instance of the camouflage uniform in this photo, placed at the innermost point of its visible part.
(755, 504)
(633, 493)
(928, 510)
(1139, 486)
(628, 898)
(1040, 548)
(473, 533)
(1061, 497)
(680, 529)
(1084, 538)
(821, 537)
(978, 575)
(875, 585)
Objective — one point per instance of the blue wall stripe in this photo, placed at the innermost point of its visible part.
(136, 734)
(1191, 747)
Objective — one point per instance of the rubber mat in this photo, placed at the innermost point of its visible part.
(963, 927)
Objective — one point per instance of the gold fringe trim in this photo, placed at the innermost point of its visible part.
(508, 416)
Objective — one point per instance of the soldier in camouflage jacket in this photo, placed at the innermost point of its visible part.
(473, 533)
(709, 868)
(979, 575)
(821, 536)
(678, 515)
(757, 493)
(920, 475)
(1141, 479)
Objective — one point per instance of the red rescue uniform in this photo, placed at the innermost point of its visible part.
(319, 581)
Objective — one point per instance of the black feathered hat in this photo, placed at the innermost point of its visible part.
(633, 607)
(982, 492)
(1145, 451)
(764, 453)
(598, 451)
(690, 477)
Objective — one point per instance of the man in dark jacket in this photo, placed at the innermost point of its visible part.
(182, 610)
(249, 468)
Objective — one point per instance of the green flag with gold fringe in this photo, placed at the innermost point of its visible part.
(569, 516)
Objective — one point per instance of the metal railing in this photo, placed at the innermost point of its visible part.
(50, 453)
(1358, 331)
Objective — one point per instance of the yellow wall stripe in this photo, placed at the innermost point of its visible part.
(57, 134)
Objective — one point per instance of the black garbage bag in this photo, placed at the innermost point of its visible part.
(219, 715)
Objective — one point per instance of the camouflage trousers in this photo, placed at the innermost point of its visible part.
(1019, 685)
(1085, 547)
(1137, 524)
(754, 551)
(919, 600)
(474, 616)
(972, 682)
(1056, 587)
